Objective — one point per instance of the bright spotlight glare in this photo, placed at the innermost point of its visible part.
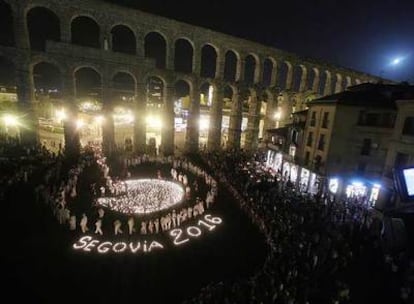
(278, 115)
(123, 118)
(154, 122)
(60, 115)
(129, 117)
(204, 123)
(10, 120)
(80, 123)
(99, 119)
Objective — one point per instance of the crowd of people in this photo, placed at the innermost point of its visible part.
(314, 242)
(21, 165)
(127, 196)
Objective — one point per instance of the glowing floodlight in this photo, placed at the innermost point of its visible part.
(10, 120)
(99, 119)
(154, 122)
(278, 115)
(80, 123)
(60, 115)
(204, 123)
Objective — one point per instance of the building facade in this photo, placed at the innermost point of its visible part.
(354, 139)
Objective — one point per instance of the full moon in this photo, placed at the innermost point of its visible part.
(396, 61)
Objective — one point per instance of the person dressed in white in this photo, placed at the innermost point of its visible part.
(84, 223)
(157, 225)
(98, 225)
(151, 227)
(174, 219)
(101, 213)
(201, 207)
(117, 227)
(131, 224)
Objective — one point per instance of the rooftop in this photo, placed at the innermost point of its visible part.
(369, 94)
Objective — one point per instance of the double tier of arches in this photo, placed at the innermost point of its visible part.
(230, 78)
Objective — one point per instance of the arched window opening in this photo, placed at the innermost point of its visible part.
(123, 40)
(249, 69)
(43, 25)
(6, 25)
(85, 32)
(183, 61)
(208, 62)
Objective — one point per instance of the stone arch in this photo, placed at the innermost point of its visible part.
(206, 93)
(313, 80)
(264, 98)
(347, 82)
(208, 61)
(155, 46)
(182, 88)
(155, 90)
(245, 94)
(228, 93)
(183, 56)
(85, 31)
(123, 39)
(268, 66)
(283, 75)
(6, 25)
(299, 78)
(41, 57)
(43, 24)
(250, 69)
(47, 77)
(88, 82)
(230, 65)
(124, 86)
(265, 110)
(322, 82)
(182, 93)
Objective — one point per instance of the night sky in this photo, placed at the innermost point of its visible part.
(365, 35)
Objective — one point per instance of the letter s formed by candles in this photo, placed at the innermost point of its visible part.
(82, 242)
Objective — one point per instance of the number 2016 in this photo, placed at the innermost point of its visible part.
(209, 223)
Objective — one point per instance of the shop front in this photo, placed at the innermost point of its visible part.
(360, 190)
